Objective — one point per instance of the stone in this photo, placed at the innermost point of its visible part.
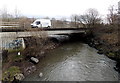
(18, 53)
(29, 70)
(40, 74)
(33, 59)
(19, 76)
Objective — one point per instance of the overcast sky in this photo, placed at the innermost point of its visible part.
(56, 8)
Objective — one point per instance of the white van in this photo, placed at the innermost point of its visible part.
(41, 23)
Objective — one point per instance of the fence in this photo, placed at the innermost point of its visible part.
(9, 24)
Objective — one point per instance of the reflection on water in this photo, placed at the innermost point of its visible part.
(75, 62)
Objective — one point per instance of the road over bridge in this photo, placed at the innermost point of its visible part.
(51, 31)
(59, 33)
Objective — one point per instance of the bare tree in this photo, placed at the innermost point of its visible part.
(112, 16)
(4, 14)
(74, 20)
(25, 22)
(90, 18)
(16, 13)
(63, 19)
(64, 22)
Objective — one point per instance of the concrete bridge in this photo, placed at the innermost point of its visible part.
(50, 31)
(59, 34)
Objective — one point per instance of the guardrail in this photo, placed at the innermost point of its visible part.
(9, 24)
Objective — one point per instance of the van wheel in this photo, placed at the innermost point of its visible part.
(36, 27)
(48, 27)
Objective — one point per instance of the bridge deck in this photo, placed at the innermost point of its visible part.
(66, 29)
(9, 36)
(37, 33)
(11, 29)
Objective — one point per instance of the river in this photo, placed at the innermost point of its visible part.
(74, 62)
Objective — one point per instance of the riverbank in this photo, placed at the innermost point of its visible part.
(21, 62)
(106, 42)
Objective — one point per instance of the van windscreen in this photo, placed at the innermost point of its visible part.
(38, 22)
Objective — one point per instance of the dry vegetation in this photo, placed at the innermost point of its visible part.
(111, 38)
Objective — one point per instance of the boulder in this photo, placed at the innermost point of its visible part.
(34, 60)
(40, 74)
(18, 53)
(29, 70)
(19, 76)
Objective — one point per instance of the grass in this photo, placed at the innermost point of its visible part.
(111, 54)
(17, 57)
(9, 74)
(15, 50)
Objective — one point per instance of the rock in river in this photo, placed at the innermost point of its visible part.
(40, 74)
(34, 60)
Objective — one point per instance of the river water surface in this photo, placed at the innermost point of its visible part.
(74, 62)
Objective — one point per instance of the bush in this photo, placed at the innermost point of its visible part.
(10, 73)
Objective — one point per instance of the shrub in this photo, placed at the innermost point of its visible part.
(10, 73)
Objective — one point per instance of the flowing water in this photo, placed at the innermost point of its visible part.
(74, 62)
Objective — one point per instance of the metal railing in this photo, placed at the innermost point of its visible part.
(9, 24)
